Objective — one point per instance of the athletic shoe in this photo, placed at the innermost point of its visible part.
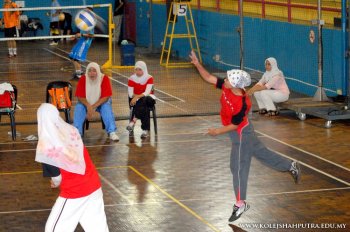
(238, 211)
(295, 171)
(144, 134)
(131, 126)
(10, 55)
(113, 136)
(53, 43)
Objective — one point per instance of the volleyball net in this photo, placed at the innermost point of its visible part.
(39, 61)
(35, 26)
(180, 91)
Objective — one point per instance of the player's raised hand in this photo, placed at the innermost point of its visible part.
(194, 59)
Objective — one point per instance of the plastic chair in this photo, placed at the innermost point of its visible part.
(11, 113)
(87, 125)
(154, 116)
(60, 84)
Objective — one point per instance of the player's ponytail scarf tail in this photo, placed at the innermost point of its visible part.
(59, 143)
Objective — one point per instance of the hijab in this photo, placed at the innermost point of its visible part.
(274, 70)
(59, 143)
(93, 87)
(142, 65)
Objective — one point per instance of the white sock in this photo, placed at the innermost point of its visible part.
(11, 51)
(14, 51)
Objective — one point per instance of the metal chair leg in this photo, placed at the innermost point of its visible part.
(67, 115)
(13, 126)
(154, 115)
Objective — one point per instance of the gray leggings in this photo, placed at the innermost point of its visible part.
(243, 148)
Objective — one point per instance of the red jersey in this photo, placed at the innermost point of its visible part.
(231, 105)
(140, 83)
(75, 185)
(106, 87)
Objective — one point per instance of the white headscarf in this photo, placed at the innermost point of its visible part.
(142, 65)
(93, 88)
(274, 70)
(239, 78)
(59, 143)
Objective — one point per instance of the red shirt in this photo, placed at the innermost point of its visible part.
(106, 87)
(75, 185)
(231, 105)
(140, 84)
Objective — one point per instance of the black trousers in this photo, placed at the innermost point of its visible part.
(141, 110)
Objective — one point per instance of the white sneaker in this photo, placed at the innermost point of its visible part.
(113, 136)
(130, 126)
(144, 134)
(53, 43)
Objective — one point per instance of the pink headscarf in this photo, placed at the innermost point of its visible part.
(59, 143)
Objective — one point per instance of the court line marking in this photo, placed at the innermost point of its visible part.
(190, 141)
(125, 198)
(113, 79)
(306, 152)
(174, 199)
(123, 133)
(315, 169)
(301, 191)
(112, 186)
(119, 143)
(202, 140)
(167, 103)
(183, 200)
(191, 133)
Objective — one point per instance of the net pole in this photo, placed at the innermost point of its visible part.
(320, 94)
(109, 63)
(344, 50)
(111, 26)
(241, 63)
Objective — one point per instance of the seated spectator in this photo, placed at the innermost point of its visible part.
(272, 88)
(141, 98)
(94, 93)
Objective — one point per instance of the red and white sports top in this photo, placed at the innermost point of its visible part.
(139, 84)
(232, 108)
(75, 185)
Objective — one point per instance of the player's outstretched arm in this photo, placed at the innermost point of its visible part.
(202, 71)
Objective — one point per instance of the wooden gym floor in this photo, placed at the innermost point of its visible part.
(178, 180)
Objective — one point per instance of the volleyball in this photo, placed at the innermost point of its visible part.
(61, 17)
(85, 20)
